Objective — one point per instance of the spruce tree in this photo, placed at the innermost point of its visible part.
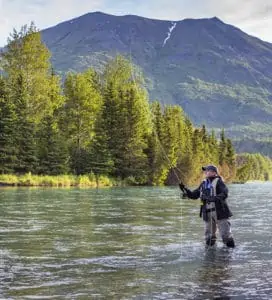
(175, 141)
(100, 159)
(53, 152)
(157, 164)
(230, 160)
(222, 148)
(52, 146)
(128, 119)
(213, 148)
(8, 147)
(25, 136)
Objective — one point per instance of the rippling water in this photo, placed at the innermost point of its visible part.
(131, 243)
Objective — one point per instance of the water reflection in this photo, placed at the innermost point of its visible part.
(214, 275)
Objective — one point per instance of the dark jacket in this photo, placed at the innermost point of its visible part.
(221, 206)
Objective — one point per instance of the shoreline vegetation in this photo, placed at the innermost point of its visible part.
(30, 180)
(85, 181)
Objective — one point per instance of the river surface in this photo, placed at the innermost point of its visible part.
(131, 243)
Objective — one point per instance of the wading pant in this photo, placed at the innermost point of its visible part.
(211, 227)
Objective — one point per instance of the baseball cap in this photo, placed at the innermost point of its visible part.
(210, 168)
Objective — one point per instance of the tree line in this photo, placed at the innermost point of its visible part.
(253, 167)
(99, 123)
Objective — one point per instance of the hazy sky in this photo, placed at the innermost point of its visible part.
(252, 16)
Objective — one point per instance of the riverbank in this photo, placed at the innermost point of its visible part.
(29, 180)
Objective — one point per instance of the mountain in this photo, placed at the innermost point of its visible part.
(254, 146)
(219, 75)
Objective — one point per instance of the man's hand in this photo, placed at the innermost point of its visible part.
(182, 186)
(184, 195)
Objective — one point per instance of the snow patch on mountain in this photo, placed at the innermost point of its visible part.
(169, 33)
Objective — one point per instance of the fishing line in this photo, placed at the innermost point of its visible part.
(163, 151)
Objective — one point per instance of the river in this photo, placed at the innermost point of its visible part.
(131, 243)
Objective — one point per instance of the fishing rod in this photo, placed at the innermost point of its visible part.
(163, 151)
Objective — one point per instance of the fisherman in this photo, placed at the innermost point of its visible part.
(214, 208)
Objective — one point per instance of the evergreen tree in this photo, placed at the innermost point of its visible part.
(230, 160)
(128, 119)
(222, 148)
(53, 152)
(8, 151)
(52, 147)
(199, 158)
(223, 152)
(175, 141)
(25, 137)
(101, 162)
(157, 164)
(230, 153)
(213, 148)
(204, 134)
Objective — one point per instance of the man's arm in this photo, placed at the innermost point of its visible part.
(195, 194)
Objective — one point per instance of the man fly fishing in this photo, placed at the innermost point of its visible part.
(214, 208)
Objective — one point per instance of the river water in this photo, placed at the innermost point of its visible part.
(131, 243)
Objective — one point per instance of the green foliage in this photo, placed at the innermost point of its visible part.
(176, 149)
(26, 60)
(126, 118)
(88, 180)
(223, 148)
(8, 149)
(157, 162)
(100, 158)
(53, 153)
(83, 103)
(25, 137)
(253, 167)
(100, 126)
(33, 94)
(197, 89)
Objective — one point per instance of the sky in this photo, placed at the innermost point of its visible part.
(252, 16)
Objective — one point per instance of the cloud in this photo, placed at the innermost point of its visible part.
(45, 13)
(241, 10)
(252, 16)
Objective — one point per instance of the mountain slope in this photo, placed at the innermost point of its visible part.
(220, 75)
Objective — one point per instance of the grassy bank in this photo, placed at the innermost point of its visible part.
(29, 180)
(56, 181)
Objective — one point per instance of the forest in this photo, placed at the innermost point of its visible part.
(102, 125)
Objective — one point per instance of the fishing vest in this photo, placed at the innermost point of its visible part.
(210, 207)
